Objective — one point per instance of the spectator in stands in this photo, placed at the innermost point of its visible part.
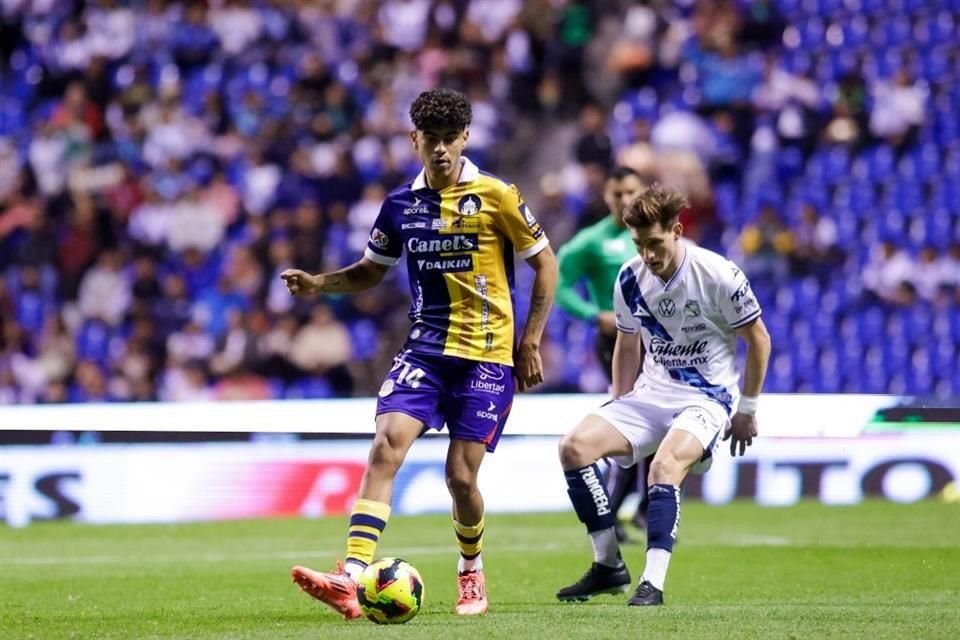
(899, 106)
(104, 289)
(195, 139)
(322, 348)
(815, 251)
(887, 275)
(767, 245)
(594, 145)
(848, 123)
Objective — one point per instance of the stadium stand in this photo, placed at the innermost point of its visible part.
(161, 163)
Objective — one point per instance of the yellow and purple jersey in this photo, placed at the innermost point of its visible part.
(460, 243)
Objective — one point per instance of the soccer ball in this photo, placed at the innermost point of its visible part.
(390, 591)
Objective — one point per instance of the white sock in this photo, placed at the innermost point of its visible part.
(353, 569)
(606, 549)
(656, 570)
(474, 564)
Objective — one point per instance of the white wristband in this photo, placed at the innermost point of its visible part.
(748, 405)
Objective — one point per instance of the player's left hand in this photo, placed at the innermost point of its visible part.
(742, 431)
(529, 368)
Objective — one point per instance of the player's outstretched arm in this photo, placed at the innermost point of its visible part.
(529, 367)
(627, 359)
(743, 425)
(359, 276)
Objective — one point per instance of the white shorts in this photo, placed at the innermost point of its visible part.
(645, 416)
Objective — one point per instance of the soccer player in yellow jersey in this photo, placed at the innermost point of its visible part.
(460, 228)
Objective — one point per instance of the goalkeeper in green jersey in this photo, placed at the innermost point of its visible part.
(595, 255)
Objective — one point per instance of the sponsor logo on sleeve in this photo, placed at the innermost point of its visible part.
(379, 239)
(528, 215)
(741, 293)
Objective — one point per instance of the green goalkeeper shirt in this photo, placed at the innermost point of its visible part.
(596, 254)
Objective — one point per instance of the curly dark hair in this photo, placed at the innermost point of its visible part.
(441, 109)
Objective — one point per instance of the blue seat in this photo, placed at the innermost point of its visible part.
(823, 328)
(893, 223)
(869, 380)
(310, 388)
(895, 355)
(851, 355)
(801, 331)
(919, 382)
(804, 355)
(871, 325)
(944, 358)
(955, 324)
(918, 322)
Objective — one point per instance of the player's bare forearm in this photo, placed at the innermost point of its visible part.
(541, 296)
(758, 354)
(627, 358)
(357, 277)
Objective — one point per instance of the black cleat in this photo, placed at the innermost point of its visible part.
(598, 579)
(646, 595)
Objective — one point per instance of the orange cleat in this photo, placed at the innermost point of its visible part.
(335, 589)
(473, 594)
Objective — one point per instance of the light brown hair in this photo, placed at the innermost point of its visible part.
(655, 204)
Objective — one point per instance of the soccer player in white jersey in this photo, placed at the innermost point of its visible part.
(679, 310)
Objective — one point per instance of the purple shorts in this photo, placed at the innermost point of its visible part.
(472, 398)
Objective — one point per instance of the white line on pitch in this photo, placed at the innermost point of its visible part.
(744, 541)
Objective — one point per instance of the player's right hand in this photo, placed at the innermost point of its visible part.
(299, 283)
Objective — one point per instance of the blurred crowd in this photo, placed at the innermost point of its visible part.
(819, 146)
(162, 162)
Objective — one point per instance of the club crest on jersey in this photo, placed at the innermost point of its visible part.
(691, 309)
(667, 308)
(379, 239)
(469, 205)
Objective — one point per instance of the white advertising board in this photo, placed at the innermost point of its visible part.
(115, 483)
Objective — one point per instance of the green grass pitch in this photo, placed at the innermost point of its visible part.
(877, 570)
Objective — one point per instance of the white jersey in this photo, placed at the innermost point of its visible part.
(688, 323)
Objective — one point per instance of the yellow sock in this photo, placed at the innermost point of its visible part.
(367, 521)
(469, 539)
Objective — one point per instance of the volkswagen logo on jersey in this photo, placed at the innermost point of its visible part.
(469, 205)
(667, 308)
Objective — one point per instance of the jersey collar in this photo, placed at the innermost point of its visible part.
(676, 274)
(468, 173)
